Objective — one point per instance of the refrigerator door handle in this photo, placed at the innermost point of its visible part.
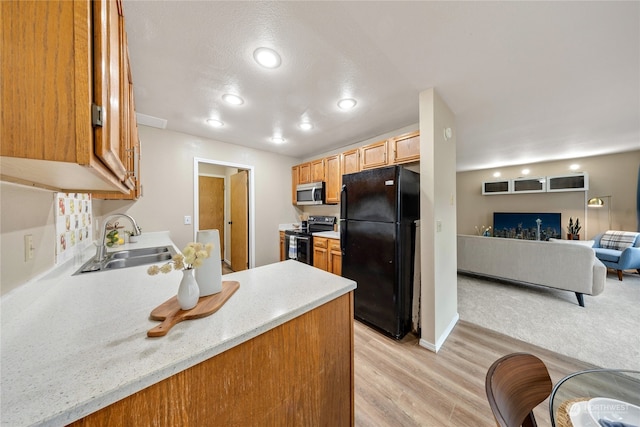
(343, 218)
(343, 202)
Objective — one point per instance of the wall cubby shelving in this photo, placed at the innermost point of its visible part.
(555, 183)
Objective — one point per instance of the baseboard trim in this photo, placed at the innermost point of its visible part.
(440, 341)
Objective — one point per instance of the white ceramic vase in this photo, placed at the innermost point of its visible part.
(188, 291)
(209, 274)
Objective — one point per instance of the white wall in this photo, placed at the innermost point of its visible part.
(167, 178)
(439, 305)
(613, 174)
(25, 210)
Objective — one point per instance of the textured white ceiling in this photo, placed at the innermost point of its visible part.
(527, 81)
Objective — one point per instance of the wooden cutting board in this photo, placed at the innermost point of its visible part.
(171, 314)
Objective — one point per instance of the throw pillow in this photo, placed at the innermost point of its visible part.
(618, 240)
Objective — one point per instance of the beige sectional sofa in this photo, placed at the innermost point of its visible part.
(563, 266)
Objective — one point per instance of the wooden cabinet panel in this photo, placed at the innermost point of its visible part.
(108, 84)
(405, 148)
(317, 170)
(350, 161)
(299, 373)
(333, 179)
(294, 183)
(282, 248)
(335, 257)
(320, 259)
(374, 155)
(129, 140)
(58, 58)
(304, 173)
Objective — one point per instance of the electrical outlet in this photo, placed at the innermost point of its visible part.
(187, 220)
(28, 247)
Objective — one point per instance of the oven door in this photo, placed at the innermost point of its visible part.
(303, 244)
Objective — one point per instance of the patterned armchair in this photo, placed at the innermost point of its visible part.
(619, 250)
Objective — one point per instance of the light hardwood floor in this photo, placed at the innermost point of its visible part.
(399, 383)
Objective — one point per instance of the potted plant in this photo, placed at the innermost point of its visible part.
(573, 231)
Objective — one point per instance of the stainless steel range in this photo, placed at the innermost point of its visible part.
(302, 247)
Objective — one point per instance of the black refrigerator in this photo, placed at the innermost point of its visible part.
(378, 209)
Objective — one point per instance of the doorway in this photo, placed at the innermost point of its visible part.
(244, 216)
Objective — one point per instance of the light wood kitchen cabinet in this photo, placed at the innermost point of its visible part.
(335, 257)
(281, 377)
(282, 248)
(129, 140)
(304, 173)
(333, 179)
(374, 155)
(327, 255)
(405, 148)
(317, 170)
(320, 253)
(350, 161)
(61, 73)
(294, 184)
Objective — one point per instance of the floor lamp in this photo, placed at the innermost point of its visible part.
(597, 202)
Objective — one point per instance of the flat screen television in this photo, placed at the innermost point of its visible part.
(523, 225)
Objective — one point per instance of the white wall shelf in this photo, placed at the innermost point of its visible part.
(496, 187)
(530, 185)
(541, 184)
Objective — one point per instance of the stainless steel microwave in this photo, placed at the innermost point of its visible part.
(310, 194)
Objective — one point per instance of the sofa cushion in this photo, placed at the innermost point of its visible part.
(618, 240)
(611, 255)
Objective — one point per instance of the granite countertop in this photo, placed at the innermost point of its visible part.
(71, 345)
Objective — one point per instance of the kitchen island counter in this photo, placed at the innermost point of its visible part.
(72, 345)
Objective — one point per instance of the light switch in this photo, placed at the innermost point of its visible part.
(438, 226)
(187, 220)
(28, 247)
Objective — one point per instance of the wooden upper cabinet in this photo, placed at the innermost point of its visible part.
(304, 173)
(59, 58)
(129, 143)
(374, 155)
(109, 85)
(405, 148)
(317, 170)
(350, 161)
(294, 184)
(333, 179)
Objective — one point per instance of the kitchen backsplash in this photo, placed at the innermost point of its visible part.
(73, 220)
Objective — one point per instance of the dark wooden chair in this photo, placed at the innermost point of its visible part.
(515, 384)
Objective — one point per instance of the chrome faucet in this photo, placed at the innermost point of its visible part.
(101, 251)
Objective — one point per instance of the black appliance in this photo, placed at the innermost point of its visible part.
(377, 233)
(303, 240)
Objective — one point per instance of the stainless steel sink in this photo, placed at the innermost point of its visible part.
(129, 258)
(142, 252)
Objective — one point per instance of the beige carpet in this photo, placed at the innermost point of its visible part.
(606, 332)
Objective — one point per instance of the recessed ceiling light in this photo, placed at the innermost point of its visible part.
(215, 123)
(266, 57)
(232, 99)
(305, 126)
(347, 103)
(496, 174)
(277, 140)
